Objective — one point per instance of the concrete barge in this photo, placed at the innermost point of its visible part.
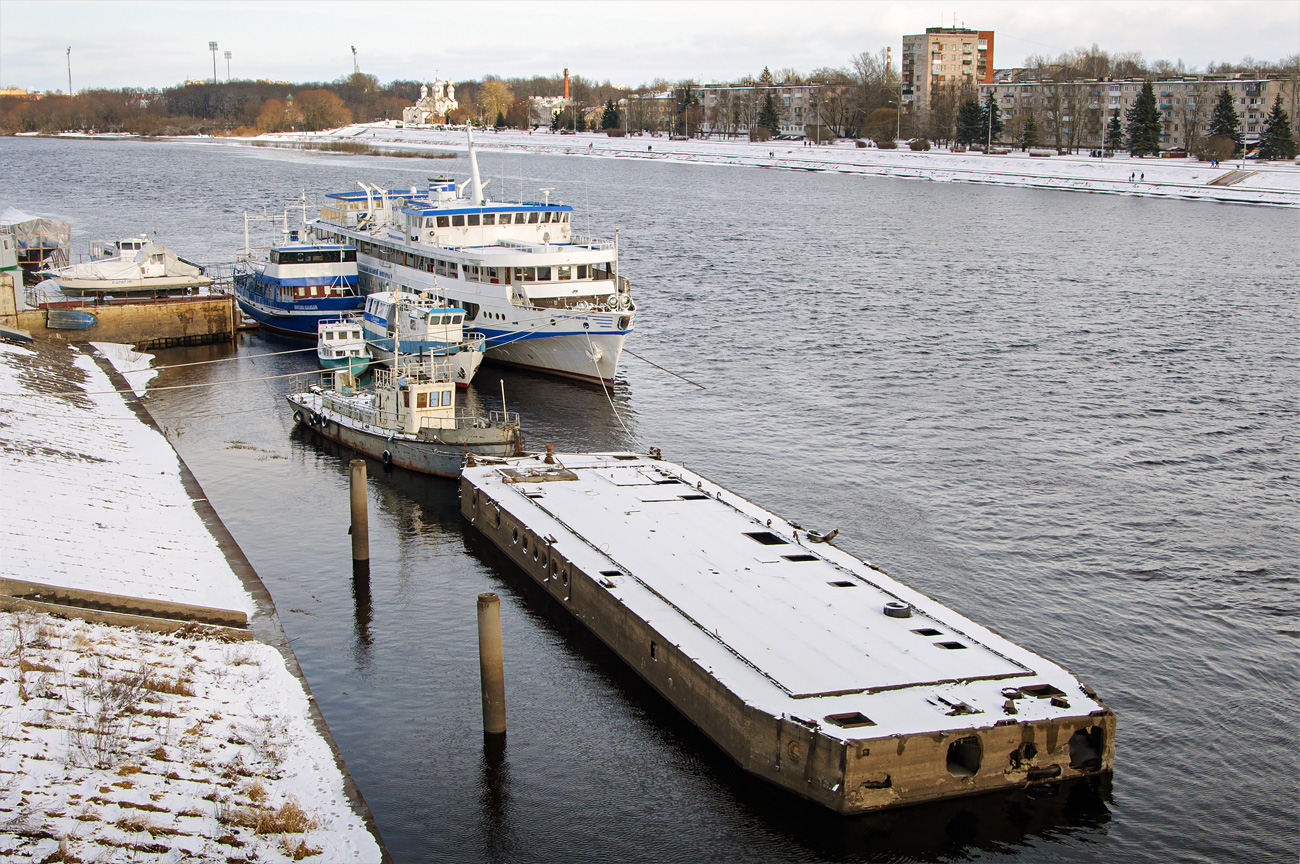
(811, 668)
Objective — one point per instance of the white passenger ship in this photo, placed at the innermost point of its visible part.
(545, 298)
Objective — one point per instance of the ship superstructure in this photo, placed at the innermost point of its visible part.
(544, 297)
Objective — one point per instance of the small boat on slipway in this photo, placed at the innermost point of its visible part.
(407, 417)
(134, 265)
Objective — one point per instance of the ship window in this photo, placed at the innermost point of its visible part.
(458, 221)
(566, 272)
(543, 274)
(926, 631)
(951, 646)
(443, 222)
(583, 271)
(841, 584)
(489, 218)
(564, 217)
(349, 256)
(422, 400)
(532, 218)
(530, 274)
(519, 218)
(800, 557)
(406, 398)
(473, 219)
(446, 398)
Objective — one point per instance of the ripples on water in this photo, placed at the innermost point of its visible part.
(1070, 417)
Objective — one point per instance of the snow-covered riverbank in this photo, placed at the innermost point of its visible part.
(1263, 183)
(117, 743)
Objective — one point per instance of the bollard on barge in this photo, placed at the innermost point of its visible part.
(809, 667)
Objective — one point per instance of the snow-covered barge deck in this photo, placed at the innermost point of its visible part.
(812, 669)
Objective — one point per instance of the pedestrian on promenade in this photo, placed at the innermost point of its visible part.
(1144, 176)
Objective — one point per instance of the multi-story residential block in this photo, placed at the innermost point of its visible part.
(1074, 114)
(940, 58)
(731, 109)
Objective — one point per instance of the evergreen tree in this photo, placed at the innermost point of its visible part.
(501, 121)
(1224, 123)
(1144, 124)
(989, 114)
(1114, 134)
(1029, 137)
(609, 119)
(1276, 142)
(555, 122)
(968, 122)
(766, 78)
(767, 117)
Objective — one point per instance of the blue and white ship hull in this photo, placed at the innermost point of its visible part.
(299, 320)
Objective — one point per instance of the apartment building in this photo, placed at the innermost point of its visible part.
(1075, 113)
(730, 109)
(943, 57)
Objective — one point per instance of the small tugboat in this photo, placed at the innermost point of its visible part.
(421, 326)
(290, 288)
(407, 417)
(341, 344)
(133, 265)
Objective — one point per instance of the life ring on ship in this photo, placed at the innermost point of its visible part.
(297, 416)
(582, 306)
(387, 459)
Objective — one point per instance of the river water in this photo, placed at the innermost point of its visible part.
(1072, 418)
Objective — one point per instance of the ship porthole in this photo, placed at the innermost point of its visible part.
(297, 416)
(514, 536)
(388, 459)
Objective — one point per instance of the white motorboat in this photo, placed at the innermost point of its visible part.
(420, 325)
(341, 344)
(132, 265)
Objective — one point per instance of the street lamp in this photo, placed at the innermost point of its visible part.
(898, 118)
(212, 46)
(227, 67)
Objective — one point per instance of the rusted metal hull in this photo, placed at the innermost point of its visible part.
(443, 458)
(829, 765)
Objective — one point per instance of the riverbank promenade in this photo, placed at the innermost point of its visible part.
(1275, 184)
(150, 706)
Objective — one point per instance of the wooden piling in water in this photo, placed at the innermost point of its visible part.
(360, 529)
(491, 664)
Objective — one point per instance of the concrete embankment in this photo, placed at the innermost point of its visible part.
(148, 325)
(152, 706)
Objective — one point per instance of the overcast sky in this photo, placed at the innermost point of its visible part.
(152, 43)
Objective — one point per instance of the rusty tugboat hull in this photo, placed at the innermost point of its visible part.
(810, 668)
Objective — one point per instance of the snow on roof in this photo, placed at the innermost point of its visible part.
(94, 495)
(791, 626)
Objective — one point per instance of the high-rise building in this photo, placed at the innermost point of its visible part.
(943, 58)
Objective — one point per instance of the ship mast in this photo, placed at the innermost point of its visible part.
(477, 187)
